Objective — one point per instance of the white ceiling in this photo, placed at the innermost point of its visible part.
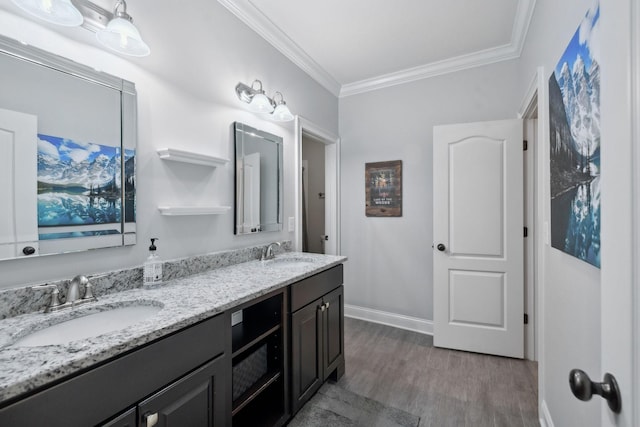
(353, 46)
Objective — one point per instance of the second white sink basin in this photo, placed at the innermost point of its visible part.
(88, 326)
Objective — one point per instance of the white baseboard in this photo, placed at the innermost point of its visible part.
(545, 416)
(409, 323)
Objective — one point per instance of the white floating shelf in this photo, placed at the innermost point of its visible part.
(193, 210)
(190, 157)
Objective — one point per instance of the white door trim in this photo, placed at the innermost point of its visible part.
(332, 179)
(635, 134)
(537, 96)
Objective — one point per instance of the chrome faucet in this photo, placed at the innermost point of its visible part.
(267, 253)
(73, 294)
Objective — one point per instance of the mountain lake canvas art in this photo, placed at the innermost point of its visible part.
(80, 188)
(574, 115)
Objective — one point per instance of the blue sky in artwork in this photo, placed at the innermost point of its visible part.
(584, 42)
(68, 150)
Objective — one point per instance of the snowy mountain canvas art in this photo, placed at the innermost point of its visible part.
(574, 117)
(80, 188)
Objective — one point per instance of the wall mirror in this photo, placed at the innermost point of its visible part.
(68, 140)
(258, 179)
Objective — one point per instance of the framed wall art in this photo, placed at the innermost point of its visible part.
(383, 189)
(574, 117)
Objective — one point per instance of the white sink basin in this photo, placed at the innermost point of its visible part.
(88, 326)
(289, 262)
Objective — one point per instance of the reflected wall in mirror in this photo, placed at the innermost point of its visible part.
(68, 136)
(258, 178)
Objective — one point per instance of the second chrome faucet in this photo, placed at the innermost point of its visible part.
(267, 253)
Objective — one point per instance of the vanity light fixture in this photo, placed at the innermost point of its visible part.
(260, 103)
(281, 113)
(59, 12)
(121, 35)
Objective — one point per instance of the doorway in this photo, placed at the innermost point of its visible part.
(317, 191)
(313, 195)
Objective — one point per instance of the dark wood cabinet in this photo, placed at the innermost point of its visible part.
(197, 400)
(317, 334)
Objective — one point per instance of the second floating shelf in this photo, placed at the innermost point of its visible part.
(193, 210)
(191, 157)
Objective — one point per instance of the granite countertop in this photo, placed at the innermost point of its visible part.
(184, 301)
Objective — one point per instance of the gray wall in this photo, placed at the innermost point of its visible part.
(186, 100)
(390, 264)
(572, 336)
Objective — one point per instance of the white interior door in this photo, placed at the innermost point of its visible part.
(18, 192)
(251, 223)
(478, 232)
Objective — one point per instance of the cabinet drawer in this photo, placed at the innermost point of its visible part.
(96, 395)
(314, 287)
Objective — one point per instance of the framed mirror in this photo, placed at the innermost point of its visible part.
(68, 135)
(258, 177)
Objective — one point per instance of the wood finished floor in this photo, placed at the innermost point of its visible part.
(444, 387)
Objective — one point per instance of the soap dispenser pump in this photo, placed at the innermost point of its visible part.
(153, 266)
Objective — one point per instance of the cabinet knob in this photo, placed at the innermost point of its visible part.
(326, 305)
(321, 307)
(28, 250)
(150, 420)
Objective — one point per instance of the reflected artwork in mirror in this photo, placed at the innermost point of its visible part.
(258, 176)
(69, 136)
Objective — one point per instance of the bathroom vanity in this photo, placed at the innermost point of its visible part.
(187, 364)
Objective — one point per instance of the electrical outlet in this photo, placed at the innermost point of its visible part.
(292, 224)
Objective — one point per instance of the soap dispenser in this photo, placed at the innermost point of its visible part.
(152, 266)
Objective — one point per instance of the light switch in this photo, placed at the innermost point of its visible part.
(292, 224)
(546, 232)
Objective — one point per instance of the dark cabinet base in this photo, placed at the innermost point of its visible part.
(317, 334)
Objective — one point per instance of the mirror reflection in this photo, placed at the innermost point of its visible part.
(68, 134)
(258, 176)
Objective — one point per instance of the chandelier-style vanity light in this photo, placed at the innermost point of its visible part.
(260, 103)
(121, 35)
(281, 113)
(114, 30)
(59, 12)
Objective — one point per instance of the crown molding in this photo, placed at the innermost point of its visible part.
(446, 66)
(257, 21)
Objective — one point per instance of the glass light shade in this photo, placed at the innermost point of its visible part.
(122, 36)
(282, 113)
(260, 103)
(59, 12)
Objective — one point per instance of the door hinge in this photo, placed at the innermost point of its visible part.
(525, 145)
(526, 319)
(526, 232)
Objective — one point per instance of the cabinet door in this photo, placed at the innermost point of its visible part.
(196, 400)
(333, 332)
(306, 335)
